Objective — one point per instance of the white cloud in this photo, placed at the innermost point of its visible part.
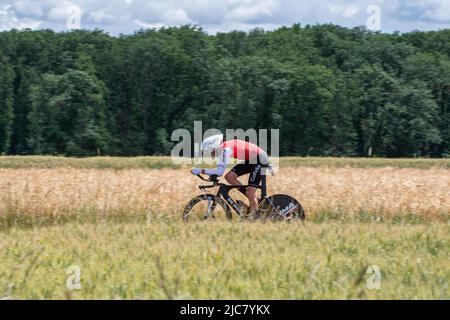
(346, 11)
(251, 9)
(440, 12)
(226, 27)
(27, 8)
(171, 17)
(149, 25)
(176, 17)
(61, 11)
(122, 16)
(422, 10)
(350, 11)
(9, 20)
(100, 16)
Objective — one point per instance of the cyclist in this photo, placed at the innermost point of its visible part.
(253, 159)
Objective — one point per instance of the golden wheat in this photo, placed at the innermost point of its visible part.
(61, 191)
(164, 258)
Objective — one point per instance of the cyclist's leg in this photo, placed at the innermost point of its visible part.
(237, 171)
(253, 200)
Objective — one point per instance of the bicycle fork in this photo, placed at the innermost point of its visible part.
(210, 209)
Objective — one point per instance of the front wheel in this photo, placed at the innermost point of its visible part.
(206, 207)
(281, 207)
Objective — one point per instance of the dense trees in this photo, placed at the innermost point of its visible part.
(6, 100)
(330, 90)
(68, 115)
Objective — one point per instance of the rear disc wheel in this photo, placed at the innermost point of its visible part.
(282, 207)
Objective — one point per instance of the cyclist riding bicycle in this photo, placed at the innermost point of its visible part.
(254, 158)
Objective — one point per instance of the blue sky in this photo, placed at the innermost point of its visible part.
(126, 16)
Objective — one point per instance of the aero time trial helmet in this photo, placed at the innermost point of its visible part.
(212, 143)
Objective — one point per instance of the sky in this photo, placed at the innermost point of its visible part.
(127, 16)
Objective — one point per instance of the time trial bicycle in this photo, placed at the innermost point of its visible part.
(279, 207)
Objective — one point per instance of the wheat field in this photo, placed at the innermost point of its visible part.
(123, 230)
(379, 193)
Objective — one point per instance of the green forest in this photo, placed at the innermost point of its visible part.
(332, 91)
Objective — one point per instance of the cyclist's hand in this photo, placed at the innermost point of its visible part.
(196, 171)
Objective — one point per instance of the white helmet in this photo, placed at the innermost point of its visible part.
(212, 143)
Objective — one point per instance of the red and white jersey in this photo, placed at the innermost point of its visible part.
(236, 149)
(242, 150)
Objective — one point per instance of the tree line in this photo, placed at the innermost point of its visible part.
(332, 91)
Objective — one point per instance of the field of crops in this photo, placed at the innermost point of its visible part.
(117, 221)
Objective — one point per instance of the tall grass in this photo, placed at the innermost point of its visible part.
(172, 260)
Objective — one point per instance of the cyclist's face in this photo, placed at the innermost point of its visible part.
(213, 154)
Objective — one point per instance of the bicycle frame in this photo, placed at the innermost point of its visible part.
(267, 207)
(225, 189)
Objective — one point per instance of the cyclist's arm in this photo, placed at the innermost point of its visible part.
(223, 162)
